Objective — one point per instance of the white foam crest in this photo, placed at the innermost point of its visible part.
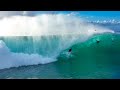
(45, 24)
(9, 59)
(58, 24)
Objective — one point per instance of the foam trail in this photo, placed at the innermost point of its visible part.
(9, 59)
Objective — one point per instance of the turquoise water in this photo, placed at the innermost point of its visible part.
(88, 59)
(37, 46)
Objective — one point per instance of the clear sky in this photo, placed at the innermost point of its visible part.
(90, 15)
(101, 13)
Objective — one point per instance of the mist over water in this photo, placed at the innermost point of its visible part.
(46, 24)
(40, 39)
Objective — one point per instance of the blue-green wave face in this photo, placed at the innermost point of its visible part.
(88, 59)
(41, 40)
(42, 37)
(91, 59)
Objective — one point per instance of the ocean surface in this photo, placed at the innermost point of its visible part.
(44, 55)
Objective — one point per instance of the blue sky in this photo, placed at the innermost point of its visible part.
(84, 13)
(101, 13)
(90, 15)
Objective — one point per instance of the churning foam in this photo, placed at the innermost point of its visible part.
(9, 59)
(43, 25)
(46, 24)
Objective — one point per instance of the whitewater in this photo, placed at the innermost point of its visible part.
(40, 39)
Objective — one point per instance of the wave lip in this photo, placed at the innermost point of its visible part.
(68, 29)
(45, 24)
